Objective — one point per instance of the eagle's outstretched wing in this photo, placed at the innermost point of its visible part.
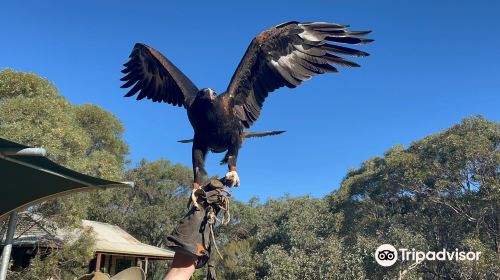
(286, 55)
(156, 78)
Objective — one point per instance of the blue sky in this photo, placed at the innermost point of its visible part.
(432, 64)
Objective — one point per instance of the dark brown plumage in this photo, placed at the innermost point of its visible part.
(284, 55)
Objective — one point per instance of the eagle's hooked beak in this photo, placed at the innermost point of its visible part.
(207, 94)
(212, 94)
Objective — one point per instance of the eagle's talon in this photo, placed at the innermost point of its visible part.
(232, 179)
(194, 195)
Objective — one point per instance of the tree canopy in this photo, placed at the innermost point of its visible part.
(85, 138)
(442, 192)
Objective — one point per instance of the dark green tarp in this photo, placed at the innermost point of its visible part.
(28, 179)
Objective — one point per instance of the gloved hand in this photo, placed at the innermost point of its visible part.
(193, 235)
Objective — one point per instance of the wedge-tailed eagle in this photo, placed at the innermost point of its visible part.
(284, 55)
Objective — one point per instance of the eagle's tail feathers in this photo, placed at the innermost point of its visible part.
(246, 135)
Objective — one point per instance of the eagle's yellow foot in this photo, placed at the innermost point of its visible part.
(232, 179)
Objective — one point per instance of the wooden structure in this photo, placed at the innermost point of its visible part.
(115, 249)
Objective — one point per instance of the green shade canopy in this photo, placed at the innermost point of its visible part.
(28, 177)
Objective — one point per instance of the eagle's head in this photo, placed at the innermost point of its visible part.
(207, 94)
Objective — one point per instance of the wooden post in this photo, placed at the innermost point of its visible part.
(106, 263)
(146, 266)
(98, 263)
(139, 262)
(112, 271)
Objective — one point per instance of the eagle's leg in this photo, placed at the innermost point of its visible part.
(199, 154)
(232, 178)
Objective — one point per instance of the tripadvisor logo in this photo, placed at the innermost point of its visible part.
(387, 255)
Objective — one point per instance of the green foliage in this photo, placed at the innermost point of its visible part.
(14, 84)
(34, 113)
(85, 138)
(47, 122)
(289, 238)
(151, 209)
(107, 149)
(441, 192)
(239, 259)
